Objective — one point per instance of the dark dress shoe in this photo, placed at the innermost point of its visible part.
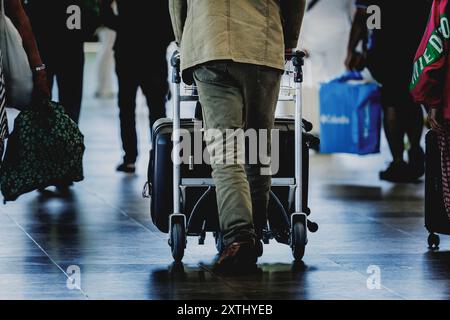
(397, 172)
(127, 167)
(237, 258)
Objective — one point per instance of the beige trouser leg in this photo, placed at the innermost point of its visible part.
(238, 96)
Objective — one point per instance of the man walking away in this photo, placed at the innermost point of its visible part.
(235, 50)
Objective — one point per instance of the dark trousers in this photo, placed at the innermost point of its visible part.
(151, 77)
(65, 64)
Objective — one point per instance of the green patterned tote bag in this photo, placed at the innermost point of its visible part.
(45, 148)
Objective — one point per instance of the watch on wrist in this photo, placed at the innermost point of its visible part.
(39, 68)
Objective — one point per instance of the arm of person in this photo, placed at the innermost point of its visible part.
(358, 33)
(14, 10)
(429, 91)
(178, 14)
(433, 86)
(292, 12)
(107, 15)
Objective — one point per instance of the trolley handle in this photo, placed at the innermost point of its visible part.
(295, 54)
(175, 62)
(298, 60)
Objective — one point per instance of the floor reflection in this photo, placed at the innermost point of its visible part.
(55, 220)
(268, 281)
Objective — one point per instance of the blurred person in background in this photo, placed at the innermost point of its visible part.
(389, 54)
(430, 86)
(140, 62)
(323, 36)
(14, 10)
(61, 47)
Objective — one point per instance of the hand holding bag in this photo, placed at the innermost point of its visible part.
(16, 67)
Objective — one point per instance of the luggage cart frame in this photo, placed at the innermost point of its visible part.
(298, 220)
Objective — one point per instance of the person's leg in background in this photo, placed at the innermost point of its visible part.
(414, 123)
(222, 100)
(70, 80)
(155, 87)
(128, 87)
(395, 135)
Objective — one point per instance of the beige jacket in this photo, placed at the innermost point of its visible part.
(246, 31)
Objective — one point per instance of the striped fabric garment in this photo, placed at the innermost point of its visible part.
(444, 145)
(3, 119)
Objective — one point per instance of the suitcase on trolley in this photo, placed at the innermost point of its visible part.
(436, 218)
(198, 194)
(183, 201)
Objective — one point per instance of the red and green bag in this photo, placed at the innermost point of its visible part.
(430, 64)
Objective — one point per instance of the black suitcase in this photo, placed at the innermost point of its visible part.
(198, 195)
(436, 218)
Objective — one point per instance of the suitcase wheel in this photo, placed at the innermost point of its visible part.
(219, 242)
(298, 240)
(433, 241)
(177, 241)
(259, 248)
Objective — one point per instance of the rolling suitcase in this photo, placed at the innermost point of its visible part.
(183, 201)
(436, 218)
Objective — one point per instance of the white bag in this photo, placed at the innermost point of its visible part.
(16, 68)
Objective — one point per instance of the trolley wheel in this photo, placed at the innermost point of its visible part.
(177, 241)
(298, 241)
(219, 242)
(433, 241)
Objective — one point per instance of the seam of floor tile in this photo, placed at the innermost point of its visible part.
(376, 220)
(406, 233)
(365, 276)
(226, 283)
(43, 251)
(153, 233)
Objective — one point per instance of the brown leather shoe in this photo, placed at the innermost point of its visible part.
(237, 258)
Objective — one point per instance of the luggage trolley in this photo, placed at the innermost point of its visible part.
(182, 221)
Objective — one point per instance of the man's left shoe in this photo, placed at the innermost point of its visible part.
(397, 172)
(237, 258)
(127, 167)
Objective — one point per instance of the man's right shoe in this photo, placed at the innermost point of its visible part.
(397, 172)
(237, 258)
(127, 167)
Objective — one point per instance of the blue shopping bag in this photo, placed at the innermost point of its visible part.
(350, 115)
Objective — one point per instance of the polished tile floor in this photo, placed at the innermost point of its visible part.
(103, 228)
